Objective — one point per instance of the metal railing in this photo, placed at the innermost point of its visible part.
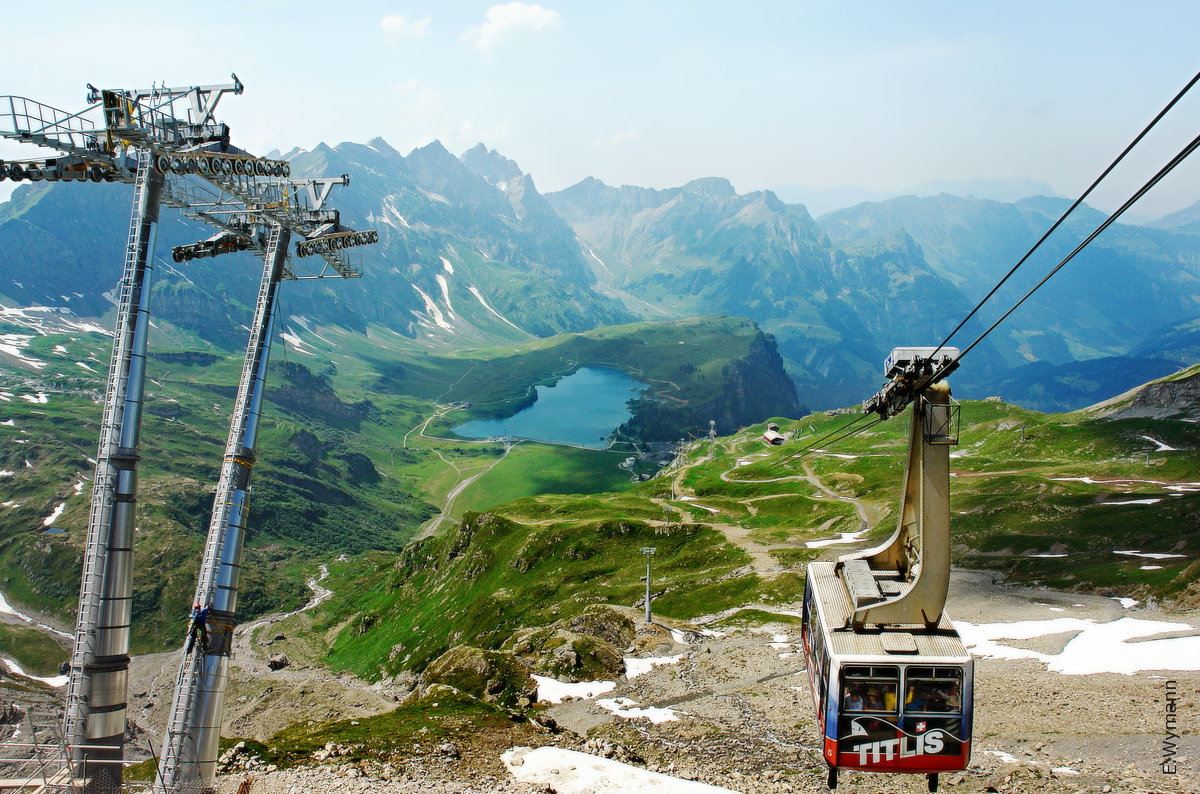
(23, 119)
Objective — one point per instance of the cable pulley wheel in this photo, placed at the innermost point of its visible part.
(162, 164)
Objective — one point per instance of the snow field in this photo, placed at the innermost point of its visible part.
(1096, 648)
(571, 772)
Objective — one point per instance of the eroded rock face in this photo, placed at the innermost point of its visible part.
(590, 646)
(567, 655)
(494, 676)
(1167, 398)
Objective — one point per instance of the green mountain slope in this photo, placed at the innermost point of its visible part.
(352, 456)
(1069, 501)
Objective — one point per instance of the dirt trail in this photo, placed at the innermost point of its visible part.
(691, 509)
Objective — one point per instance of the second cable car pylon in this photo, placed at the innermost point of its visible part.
(891, 680)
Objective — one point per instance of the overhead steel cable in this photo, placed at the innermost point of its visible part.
(1154, 180)
(841, 434)
(1070, 210)
(817, 443)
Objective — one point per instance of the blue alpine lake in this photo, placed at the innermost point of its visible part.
(581, 409)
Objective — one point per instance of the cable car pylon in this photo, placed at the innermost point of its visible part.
(189, 755)
(168, 143)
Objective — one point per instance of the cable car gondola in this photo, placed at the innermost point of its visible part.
(892, 683)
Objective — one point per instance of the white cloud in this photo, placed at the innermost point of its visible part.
(398, 26)
(503, 20)
(621, 136)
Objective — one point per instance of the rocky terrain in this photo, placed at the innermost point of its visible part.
(744, 717)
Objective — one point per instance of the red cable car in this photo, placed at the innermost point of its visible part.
(892, 683)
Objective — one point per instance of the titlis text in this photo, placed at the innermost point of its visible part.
(1170, 748)
(930, 743)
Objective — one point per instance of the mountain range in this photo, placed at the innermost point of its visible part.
(471, 253)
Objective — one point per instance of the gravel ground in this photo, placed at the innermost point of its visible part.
(745, 720)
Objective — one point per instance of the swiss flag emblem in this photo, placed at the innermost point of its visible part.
(921, 726)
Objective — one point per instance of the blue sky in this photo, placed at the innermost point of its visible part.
(799, 97)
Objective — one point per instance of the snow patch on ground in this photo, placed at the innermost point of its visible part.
(433, 311)
(445, 285)
(1150, 555)
(572, 772)
(449, 268)
(843, 538)
(1159, 446)
(553, 691)
(295, 343)
(1096, 648)
(635, 667)
(483, 302)
(15, 669)
(1003, 756)
(628, 709)
(7, 609)
(50, 519)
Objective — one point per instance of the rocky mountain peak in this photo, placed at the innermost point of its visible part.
(710, 187)
(490, 164)
(382, 146)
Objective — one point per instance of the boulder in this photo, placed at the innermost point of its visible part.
(494, 676)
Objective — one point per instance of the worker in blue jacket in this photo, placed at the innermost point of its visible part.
(198, 628)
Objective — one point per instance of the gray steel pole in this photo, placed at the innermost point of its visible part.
(649, 552)
(648, 619)
(94, 720)
(189, 757)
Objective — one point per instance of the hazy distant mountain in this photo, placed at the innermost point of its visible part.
(835, 312)
(1185, 220)
(461, 261)
(1117, 294)
(471, 254)
(820, 201)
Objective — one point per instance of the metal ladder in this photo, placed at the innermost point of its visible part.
(187, 680)
(216, 535)
(185, 696)
(104, 484)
